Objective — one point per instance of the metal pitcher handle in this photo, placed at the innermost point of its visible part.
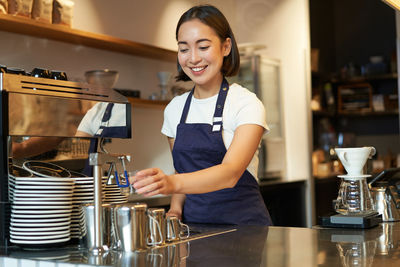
(151, 237)
(187, 230)
(114, 223)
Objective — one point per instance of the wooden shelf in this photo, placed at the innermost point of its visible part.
(367, 113)
(144, 103)
(22, 25)
(321, 113)
(385, 76)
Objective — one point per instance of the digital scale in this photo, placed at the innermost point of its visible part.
(351, 221)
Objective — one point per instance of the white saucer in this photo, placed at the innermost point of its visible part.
(43, 237)
(114, 195)
(35, 195)
(83, 190)
(39, 229)
(44, 179)
(354, 176)
(53, 224)
(82, 201)
(82, 195)
(41, 208)
(39, 220)
(62, 232)
(69, 191)
(40, 198)
(25, 210)
(52, 187)
(42, 204)
(39, 242)
(39, 183)
(82, 178)
(41, 213)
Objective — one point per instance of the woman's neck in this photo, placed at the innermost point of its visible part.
(209, 89)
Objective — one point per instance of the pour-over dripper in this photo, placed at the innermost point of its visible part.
(353, 159)
(354, 195)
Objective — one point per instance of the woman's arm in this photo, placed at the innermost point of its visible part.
(35, 146)
(82, 134)
(177, 200)
(225, 175)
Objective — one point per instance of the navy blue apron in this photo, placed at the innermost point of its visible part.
(200, 145)
(103, 131)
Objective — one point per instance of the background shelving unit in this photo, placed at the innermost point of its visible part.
(27, 26)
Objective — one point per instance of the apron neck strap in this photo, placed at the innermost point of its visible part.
(105, 119)
(219, 107)
(217, 119)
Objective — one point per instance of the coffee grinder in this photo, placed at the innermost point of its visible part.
(354, 204)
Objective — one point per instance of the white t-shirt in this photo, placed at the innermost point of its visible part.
(241, 107)
(92, 120)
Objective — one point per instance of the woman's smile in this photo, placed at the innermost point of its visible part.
(198, 70)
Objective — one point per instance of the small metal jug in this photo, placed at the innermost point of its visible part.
(130, 226)
(157, 225)
(175, 229)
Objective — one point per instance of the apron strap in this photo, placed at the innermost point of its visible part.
(217, 119)
(105, 120)
(186, 107)
(219, 108)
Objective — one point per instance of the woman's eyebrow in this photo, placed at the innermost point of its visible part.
(198, 41)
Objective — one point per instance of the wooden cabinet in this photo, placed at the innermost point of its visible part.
(285, 202)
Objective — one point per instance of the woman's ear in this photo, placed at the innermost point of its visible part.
(227, 46)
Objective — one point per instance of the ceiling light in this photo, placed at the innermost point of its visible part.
(393, 3)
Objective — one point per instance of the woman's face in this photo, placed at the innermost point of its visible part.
(201, 53)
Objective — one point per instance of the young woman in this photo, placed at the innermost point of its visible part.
(214, 131)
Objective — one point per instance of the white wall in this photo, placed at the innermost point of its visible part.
(283, 26)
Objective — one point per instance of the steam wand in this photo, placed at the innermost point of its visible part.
(97, 160)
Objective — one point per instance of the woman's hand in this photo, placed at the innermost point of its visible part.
(176, 213)
(153, 181)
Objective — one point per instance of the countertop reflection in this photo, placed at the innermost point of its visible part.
(247, 246)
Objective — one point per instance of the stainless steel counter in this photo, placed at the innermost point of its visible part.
(247, 246)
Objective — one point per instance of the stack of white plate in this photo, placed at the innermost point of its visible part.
(41, 210)
(112, 194)
(83, 193)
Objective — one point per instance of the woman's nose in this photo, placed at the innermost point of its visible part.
(194, 57)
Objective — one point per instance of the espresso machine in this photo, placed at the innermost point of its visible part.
(354, 205)
(47, 108)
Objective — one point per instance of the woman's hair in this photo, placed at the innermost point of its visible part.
(212, 17)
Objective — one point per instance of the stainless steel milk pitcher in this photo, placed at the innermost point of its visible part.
(131, 225)
(175, 229)
(157, 225)
(88, 231)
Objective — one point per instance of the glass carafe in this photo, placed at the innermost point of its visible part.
(354, 197)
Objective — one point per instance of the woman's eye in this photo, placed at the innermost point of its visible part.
(183, 50)
(204, 47)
